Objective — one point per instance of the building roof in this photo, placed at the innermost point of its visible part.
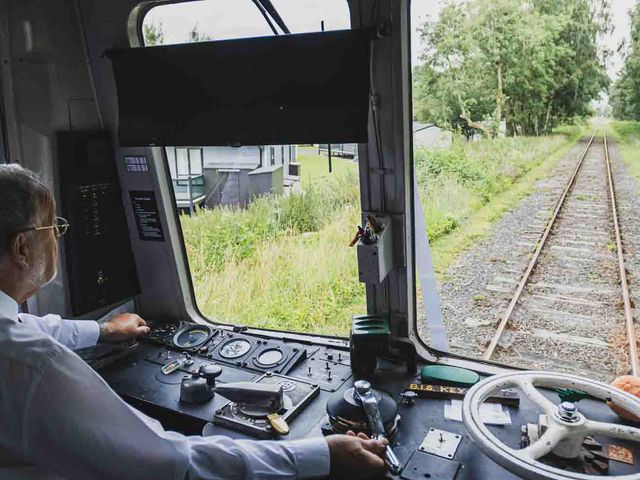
(417, 126)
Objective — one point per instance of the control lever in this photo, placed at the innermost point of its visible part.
(200, 386)
(364, 394)
(257, 397)
(254, 399)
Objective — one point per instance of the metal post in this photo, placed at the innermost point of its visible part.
(330, 162)
(189, 182)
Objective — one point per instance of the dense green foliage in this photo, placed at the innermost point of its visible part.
(531, 63)
(284, 261)
(628, 131)
(627, 136)
(625, 98)
(153, 34)
(457, 181)
(239, 232)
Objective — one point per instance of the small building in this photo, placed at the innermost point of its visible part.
(425, 135)
(211, 176)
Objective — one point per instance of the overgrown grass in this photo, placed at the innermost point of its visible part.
(284, 262)
(627, 135)
(315, 167)
(456, 182)
(231, 234)
(478, 224)
(307, 282)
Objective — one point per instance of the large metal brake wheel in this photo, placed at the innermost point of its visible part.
(567, 427)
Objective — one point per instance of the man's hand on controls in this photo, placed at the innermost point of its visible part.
(356, 456)
(125, 326)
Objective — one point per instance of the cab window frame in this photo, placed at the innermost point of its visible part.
(136, 40)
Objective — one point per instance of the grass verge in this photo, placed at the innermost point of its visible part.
(460, 210)
(627, 136)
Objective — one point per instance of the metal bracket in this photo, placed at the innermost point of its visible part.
(441, 443)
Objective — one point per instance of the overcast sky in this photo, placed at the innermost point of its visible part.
(620, 10)
(223, 19)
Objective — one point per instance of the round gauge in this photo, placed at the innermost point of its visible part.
(235, 348)
(163, 332)
(270, 357)
(191, 337)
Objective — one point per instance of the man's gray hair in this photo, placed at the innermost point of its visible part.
(22, 197)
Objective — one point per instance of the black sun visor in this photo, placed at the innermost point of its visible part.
(305, 88)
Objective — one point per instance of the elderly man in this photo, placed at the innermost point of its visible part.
(60, 420)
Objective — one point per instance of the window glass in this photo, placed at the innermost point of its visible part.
(203, 21)
(491, 160)
(266, 228)
(228, 19)
(302, 16)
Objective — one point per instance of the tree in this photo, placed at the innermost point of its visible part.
(153, 34)
(625, 98)
(196, 36)
(529, 63)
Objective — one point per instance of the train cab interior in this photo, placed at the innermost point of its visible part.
(124, 129)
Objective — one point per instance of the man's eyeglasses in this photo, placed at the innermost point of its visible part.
(60, 227)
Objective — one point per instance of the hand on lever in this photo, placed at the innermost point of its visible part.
(123, 327)
(356, 456)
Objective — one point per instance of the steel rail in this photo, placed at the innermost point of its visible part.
(534, 259)
(630, 324)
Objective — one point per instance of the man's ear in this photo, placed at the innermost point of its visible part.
(20, 251)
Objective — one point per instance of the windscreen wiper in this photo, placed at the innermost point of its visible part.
(270, 12)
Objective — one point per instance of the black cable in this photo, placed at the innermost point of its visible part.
(374, 98)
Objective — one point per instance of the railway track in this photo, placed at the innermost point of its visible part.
(571, 309)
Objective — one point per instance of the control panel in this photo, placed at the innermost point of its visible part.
(229, 348)
(249, 386)
(98, 253)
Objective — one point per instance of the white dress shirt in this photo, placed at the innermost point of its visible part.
(61, 420)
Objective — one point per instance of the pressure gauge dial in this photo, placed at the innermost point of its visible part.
(270, 357)
(192, 336)
(235, 348)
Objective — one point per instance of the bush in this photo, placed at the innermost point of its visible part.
(457, 181)
(283, 262)
(222, 234)
(627, 130)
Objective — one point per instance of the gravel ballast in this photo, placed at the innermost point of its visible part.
(570, 316)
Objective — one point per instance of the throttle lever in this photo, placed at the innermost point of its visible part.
(370, 404)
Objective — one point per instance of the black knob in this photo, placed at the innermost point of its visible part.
(210, 371)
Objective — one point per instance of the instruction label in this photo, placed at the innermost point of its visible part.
(145, 210)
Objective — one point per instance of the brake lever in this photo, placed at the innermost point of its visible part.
(372, 410)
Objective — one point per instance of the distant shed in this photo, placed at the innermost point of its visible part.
(425, 135)
(210, 176)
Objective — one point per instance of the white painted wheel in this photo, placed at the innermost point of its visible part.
(566, 430)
